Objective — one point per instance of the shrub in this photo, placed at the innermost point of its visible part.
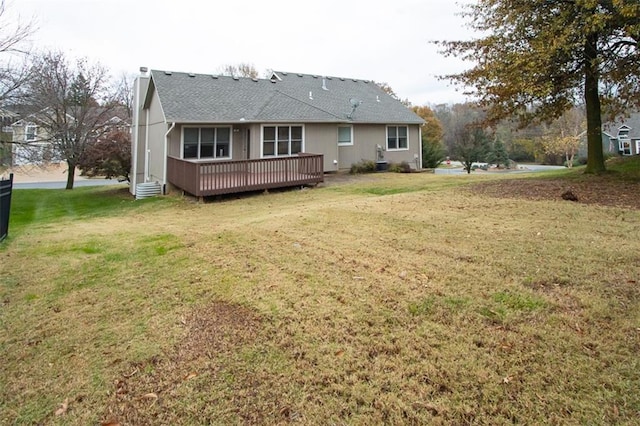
(363, 166)
(433, 154)
(402, 167)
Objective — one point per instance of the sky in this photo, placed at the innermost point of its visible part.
(380, 40)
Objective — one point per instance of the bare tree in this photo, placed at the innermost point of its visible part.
(14, 70)
(71, 104)
(13, 32)
(125, 93)
(239, 70)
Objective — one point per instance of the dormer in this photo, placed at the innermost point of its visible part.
(623, 132)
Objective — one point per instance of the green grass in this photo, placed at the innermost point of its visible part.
(395, 299)
(43, 206)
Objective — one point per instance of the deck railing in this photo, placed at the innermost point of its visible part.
(225, 177)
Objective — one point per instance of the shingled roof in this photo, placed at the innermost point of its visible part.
(285, 97)
(633, 122)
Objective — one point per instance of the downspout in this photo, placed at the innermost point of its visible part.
(134, 137)
(146, 148)
(166, 149)
(420, 152)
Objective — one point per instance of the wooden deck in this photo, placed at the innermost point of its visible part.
(226, 177)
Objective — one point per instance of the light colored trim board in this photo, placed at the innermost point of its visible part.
(350, 138)
(208, 126)
(276, 125)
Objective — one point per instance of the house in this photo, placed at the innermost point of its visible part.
(211, 134)
(623, 136)
(6, 136)
(32, 143)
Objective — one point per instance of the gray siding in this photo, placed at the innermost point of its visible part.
(322, 139)
(366, 138)
(157, 128)
(138, 132)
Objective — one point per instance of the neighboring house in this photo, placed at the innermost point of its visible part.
(32, 143)
(191, 130)
(6, 136)
(623, 136)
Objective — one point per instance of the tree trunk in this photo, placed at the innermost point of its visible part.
(569, 160)
(595, 157)
(71, 174)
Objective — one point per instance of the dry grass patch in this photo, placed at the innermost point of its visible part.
(399, 299)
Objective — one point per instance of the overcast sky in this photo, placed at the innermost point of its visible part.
(381, 40)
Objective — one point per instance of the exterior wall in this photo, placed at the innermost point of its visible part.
(37, 152)
(366, 138)
(256, 139)
(157, 129)
(175, 142)
(322, 139)
(238, 139)
(138, 132)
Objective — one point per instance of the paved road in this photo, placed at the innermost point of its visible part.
(62, 184)
(522, 168)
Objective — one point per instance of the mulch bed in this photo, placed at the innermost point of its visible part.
(599, 190)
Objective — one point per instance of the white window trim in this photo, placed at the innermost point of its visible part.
(386, 143)
(626, 150)
(35, 132)
(206, 158)
(350, 137)
(262, 126)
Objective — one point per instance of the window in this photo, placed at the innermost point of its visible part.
(397, 138)
(625, 146)
(345, 135)
(206, 142)
(30, 132)
(278, 141)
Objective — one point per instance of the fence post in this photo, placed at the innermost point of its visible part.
(6, 187)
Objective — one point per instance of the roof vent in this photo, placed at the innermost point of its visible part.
(236, 78)
(214, 76)
(283, 73)
(355, 80)
(315, 76)
(299, 75)
(341, 79)
(324, 83)
(168, 73)
(143, 70)
(377, 98)
(310, 95)
(254, 79)
(191, 74)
